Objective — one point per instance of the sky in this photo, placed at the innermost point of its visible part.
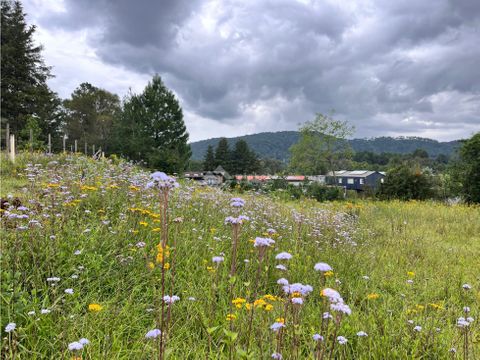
(390, 68)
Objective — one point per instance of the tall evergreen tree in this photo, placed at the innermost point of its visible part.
(90, 114)
(223, 154)
(243, 159)
(209, 159)
(152, 129)
(24, 74)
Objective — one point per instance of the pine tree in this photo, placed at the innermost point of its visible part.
(152, 129)
(223, 155)
(209, 160)
(243, 159)
(24, 74)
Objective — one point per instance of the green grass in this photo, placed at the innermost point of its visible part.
(382, 240)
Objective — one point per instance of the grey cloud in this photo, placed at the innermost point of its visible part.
(375, 65)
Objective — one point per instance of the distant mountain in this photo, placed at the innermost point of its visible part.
(276, 144)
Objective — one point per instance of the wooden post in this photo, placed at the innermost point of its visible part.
(7, 138)
(71, 148)
(49, 144)
(31, 140)
(64, 140)
(76, 143)
(11, 153)
(93, 149)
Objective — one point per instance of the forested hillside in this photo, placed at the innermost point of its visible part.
(276, 144)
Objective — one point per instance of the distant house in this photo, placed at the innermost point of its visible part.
(212, 178)
(359, 180)
(295, 180)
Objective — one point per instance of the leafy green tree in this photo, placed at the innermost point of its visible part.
(209, 159)
(244, 160)
(406, 182)
(322, 146)
(470, 169)
(90, 115)
(24, 75)
(223, 154)
(151, 129)
(32, 128)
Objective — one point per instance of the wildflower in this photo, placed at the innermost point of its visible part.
(231, 317)
(95, 307)
(277, 356)
(328, 273)
(362, 334)
(462, 322)
(140, 244)
(282, 281)
(317, 337)
(327, 315)
(238, 302)
(342, 340)
(277, 326)
(331, 294)
(170, 299)
(417, 328)
(281, 267)
(261, 242)
(45, 311)
(341, 307)
(162, 181)
(373, 296)
(409, 281)
(69, 291)
(466, 309)
(410, 274)
(298, 288)
(280, 320)
(466, 287)
(452, 350)
(191, 298)
(53, 279)
(283, 256)
(31, 313)
(218, 259)
(152, 334)
(323, 267)
(365, 277)
(84, 341)
(166, 266)
(268, 307)
(10, 327)
(297, 301)
(75, 346)
(77, 252)
(237, 202)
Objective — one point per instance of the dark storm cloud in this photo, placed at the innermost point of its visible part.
(388, 66)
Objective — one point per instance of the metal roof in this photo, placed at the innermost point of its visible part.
(354, 173)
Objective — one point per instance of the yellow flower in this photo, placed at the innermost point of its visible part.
(270, 297)
(166, 266)
(259, 302)
(151, 265)
(238, 302)
(280, 320)
(410, 274)
(95, 307)
(248, 306)
(52, 185)
(134, 188)
(210, 269)
(268, 307)
(157, 229)
(435, 306)
(143, 223)
(328, 273)
(373, 296)
(420, 307)
(231, 317)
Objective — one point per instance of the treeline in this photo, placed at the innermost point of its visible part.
(146, 127)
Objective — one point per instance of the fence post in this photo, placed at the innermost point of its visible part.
(31, 140)
(76, 143)
(11, 153)
(64, 140)
(49, 144)
(86, 148)
(93, 150)
(71, 148)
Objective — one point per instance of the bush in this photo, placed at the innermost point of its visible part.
(323, 192)
(407, 183)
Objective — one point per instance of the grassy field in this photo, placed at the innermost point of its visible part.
(82, 258)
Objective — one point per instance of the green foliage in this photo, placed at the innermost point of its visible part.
(32, 128)
(90, 115)
(243, 160)
(223, 155)
(322, 193)
(209, 160)
(407, 182)
(470, 169)
(23, 75)
(152, 129)
(322, 146)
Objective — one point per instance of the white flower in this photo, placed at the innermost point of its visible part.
(453, 350)
(191, 298)
(74, 276)
(74, 346)
(323, 267)
(281, 267)
(53, 279)
(317, 337)
(362, 334)
(410, 281)
(327, 315)
(69, 291)
(282, 281)
(45, 311)
(417, 328)
(218, 259)
(77, 252)
(10, 327)
(466, 286)
(283, 256)
(410, 322)
(297, 301)
(140, 244)
(366, 277)
(170, 299)
(341, 307)
(84, 341)
(277, 326)
(152, 334)
(466, 309)
(31, 313)
(342, 340)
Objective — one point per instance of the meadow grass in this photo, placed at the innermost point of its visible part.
(401, 267)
